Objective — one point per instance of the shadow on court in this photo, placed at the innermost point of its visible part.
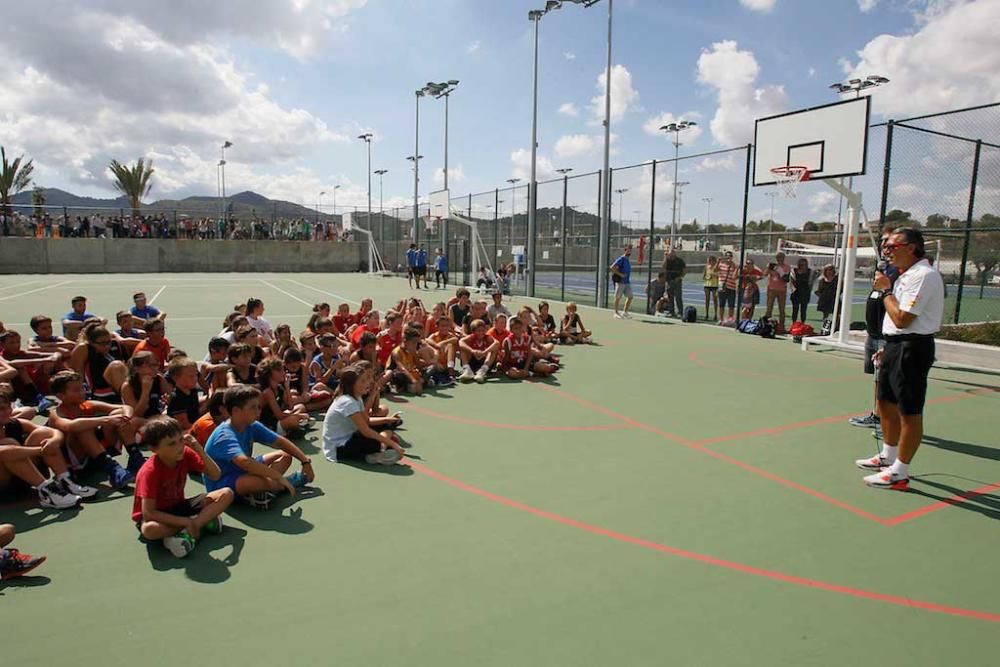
(967, 448)
(987, 504)
(201, 565)
(276, 518)
(30, 581)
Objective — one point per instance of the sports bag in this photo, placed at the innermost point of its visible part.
(690, 314)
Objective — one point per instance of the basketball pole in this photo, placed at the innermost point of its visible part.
(851, 231)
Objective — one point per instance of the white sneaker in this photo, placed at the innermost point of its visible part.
(51, 494)
(876, 462)
(627, 315)
(467, 375)
(480, 376)
(180, 545)
(386, 458)
(74, 489)
(888, 480)
(619, 316)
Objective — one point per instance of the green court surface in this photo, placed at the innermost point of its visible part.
(677, 494)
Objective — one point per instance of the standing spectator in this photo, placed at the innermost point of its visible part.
(440, 269)
(751, 292)
(710, 278)
(411, 265)
(801, 281)
(729, 275)
(826, 291)
(621, 275)
(421, 267)
(778, 274)
(674, 268)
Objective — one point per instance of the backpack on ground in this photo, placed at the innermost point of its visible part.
(767, 328)
(748, 326)
(690, 314)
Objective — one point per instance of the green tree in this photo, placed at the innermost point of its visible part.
(38, 200)
(14, 177)
(133, 182)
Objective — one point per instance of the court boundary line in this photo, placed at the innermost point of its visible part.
(316, 289)
(158, 293)
(37, 289)
(286, 293)
(706, 559)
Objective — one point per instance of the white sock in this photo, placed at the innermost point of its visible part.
(900, 469)
(467, 368)
(889, 452)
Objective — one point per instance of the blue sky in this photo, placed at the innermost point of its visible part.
(300, 79)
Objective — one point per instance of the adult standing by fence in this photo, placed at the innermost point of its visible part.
(621, 276)
(914, 307)
(674, 268)
(729, 276)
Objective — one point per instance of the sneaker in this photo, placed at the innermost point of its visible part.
(877, 462)
(72, 488)
(119, 476)
(180, 545)
(627, 315)
(431, 383)
(16, 564)
(386, 457)
(135, 460)
(870, 420)
(619, 316)
(480, 376)
(888, 480)
(214, 526)
(52, 495)
(260, 500)
(467, 375)
(297, 479)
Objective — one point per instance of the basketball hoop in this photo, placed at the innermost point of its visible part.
(788, 178)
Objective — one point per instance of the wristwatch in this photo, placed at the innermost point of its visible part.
(884, 293)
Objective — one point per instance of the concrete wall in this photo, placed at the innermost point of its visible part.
(27, 255)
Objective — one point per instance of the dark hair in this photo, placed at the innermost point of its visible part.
(38, 320)
(214, 404)
(177, 364)
(159, 428)
(7, 394)
(239, 395)
(238, 350)
(326, 339)
(78, 299)
(461, 291)
(253, 304)
(218, 343)
(292, 354)
(264, 370)
(61, 379)
(367, 338)
(155, 324)
(915, 237)
(320, 306)
(321, 323)
(91, 331)
(137, 295)
(174, 353)
(121, 314)
(348, 378)
(412, 334)
(9, 333)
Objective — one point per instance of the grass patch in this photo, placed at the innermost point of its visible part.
(985, 333)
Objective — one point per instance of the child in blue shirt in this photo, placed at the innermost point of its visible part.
(145, 312)
(440, 269)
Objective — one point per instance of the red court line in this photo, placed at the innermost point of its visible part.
(717, 455)
(693, 357)
(514, 427)
(941, 504)
(710, 560)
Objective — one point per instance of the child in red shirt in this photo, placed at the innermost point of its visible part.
(390, 338)
(160, 510)
(155, 342)
(479, 353)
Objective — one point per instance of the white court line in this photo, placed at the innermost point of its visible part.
(316, 289)
(272, 286)
(32, 291)
(157, 294)
(186, 319)
(16, 285)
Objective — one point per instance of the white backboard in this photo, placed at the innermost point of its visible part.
(830, 140)
(440, 204)
(346, 223)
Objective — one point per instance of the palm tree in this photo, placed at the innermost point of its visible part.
(133, 182)
(38, 200)
(14, 177)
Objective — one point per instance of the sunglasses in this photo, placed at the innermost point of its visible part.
(893, 246)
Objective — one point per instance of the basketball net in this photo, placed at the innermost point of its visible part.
(787, 179)
(429, 221)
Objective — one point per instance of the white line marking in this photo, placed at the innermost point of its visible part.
(272, 286)
(316, 289)
(16, 285)
(32, 291)
(189, 319)
(157, 294)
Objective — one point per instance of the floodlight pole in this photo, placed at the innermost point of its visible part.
(381, 211)
(367, 138)
(513, 208)
(602, 263)
(708, 222)
(416, 166)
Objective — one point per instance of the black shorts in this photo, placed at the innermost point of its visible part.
(189, 507)
(902, 376)
(872, 345)
(727, 298)
(420, 270)
(475, 363)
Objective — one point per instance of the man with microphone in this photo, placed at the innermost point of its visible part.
(914, 306)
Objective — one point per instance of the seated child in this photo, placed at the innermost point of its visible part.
(91, 427)
(31, 383)
(444, 341)
(99, 359)
(144, 313)
(326, 365)
(156, 342)
(549, 331)
(389, 338)
(255, 479)
(320, 310)
(241, 368)
(376, 411)
(126, 331)
(14, 563)
(277, 412)
(283, 340)
(308, 345)
(343, 320)
(572, 330)
(249, 336)
(519, 359)
(312, 398)
(477, 312)
(185, 404)
(45, 341)
(22, 443)
(479, 353)
(212, 372)
(208, 422)
(370, 323)
(73, 321)
(160, 510)
(407, 375)
(347, 435)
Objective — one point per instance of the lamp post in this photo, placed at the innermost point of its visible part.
(513, 209)
(676, 128)
(335, 188)
(367, 138)
(381, 212)
(416, 165)
(770, 222)
(437, 91)
(222, 172)
(319, 201)
(708, 200)
(562, 230)
(621, 194)
(678, 193)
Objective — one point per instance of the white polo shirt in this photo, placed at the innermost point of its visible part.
(919, 291)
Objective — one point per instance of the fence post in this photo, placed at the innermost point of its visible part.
(968, 229)
(600, 260)
(886, 168)
(562, 239)
(649, 242)
(743, 234)
(496, 223)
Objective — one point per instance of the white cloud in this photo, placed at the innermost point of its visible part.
(569, 55)
(733, 74)
(712, 162)
(811, 72)
(821, 201)
(568, 109)
(473, 47)
(951, 61)
(623, 95)
(573, 145)
(689, 136)
(759, 5)
(455, 175)
(867, 5)
(521, 161)
(123, 80)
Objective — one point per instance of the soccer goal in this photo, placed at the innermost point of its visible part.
(376, 265)
(441, 210)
